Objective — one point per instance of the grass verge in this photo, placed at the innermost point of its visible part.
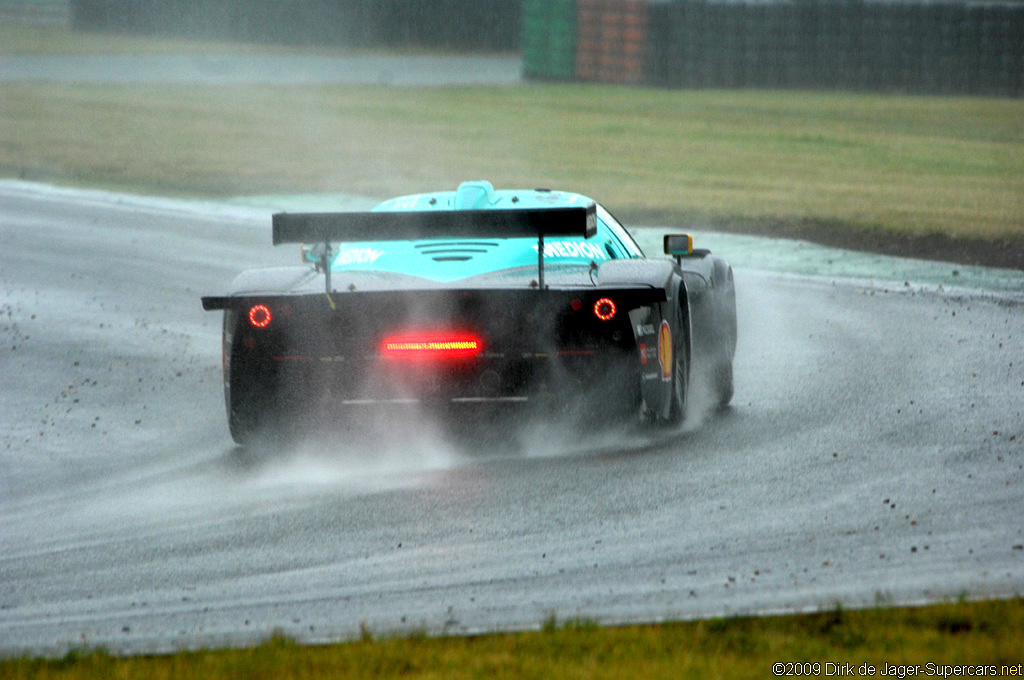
(982, 634)
(938, 176)
(858, 167)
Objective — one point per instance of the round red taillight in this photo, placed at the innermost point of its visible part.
(604, 309)
(259, 316)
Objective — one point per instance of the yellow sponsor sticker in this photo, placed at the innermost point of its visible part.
(665, 350)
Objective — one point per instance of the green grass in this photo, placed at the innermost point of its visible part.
(909, 164)
(985, 633)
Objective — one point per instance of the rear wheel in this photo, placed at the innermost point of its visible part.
(251, 403)
(254, 405)
(723, 383)
(723, 371)
(680, 385)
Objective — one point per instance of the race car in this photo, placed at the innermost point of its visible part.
(531, 302)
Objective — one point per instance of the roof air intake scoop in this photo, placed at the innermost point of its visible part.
(475, 195)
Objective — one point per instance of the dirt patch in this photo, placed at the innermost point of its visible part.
(1003, 253)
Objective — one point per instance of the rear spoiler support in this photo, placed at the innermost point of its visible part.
(540, 261)
(325, 228)
(324, 252)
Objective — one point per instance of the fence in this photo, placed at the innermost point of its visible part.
(39, 12)
(549, 39)
(611, 40)
(445, 24)
(915, 47)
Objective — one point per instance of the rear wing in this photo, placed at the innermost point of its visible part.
(399, 226)
(325, 228)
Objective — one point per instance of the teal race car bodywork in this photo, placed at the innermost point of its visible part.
(528, 301)
(450, 260)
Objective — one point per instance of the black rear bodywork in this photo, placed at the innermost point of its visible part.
(541, 352)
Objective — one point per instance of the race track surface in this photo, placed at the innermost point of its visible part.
(874, 453)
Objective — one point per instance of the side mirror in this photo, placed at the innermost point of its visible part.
(678, 245)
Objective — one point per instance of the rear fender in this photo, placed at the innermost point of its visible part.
(655, 326)
(656, 273)
(652, 331)
(711, 299)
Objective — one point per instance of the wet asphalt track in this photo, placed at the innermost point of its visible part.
(875, 453)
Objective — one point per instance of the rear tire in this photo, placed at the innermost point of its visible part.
(723, 383)
(723, 371)
(251, 408)
(680, 386)
(252, 399)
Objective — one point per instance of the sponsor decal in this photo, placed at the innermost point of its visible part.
(643, 353)
(405, 203)
(582, 249)
(644, 329)
(358, 256)
(665, 350)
